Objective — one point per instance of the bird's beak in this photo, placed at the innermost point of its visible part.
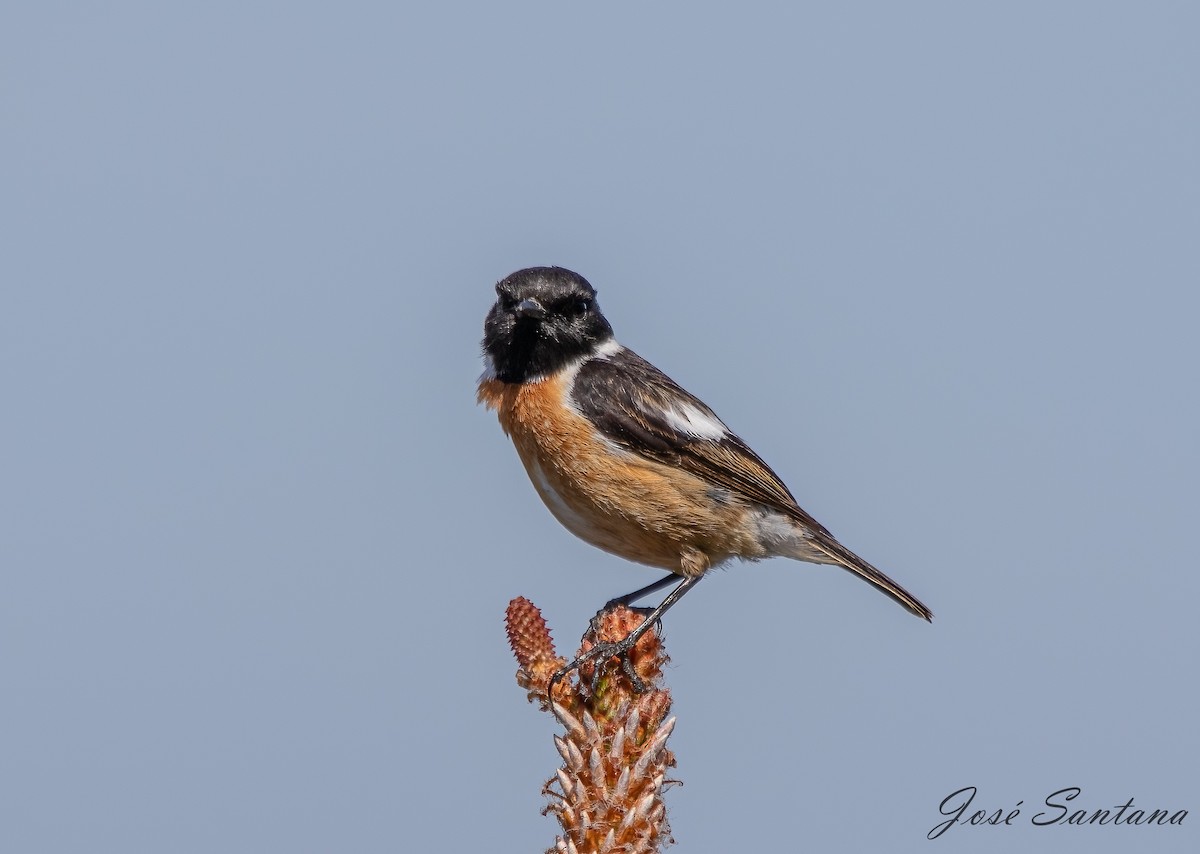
(530, 308)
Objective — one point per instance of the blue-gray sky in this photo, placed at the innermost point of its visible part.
(936, 262)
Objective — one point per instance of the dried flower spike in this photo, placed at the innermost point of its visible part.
(608, 794)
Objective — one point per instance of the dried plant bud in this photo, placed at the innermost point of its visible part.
(531, 643)
(608, 794)
(528, 634)
(625, 678)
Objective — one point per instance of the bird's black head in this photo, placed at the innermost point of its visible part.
(544, 318)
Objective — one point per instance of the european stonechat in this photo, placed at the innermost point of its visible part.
(629, 461)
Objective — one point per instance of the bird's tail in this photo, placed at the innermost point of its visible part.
(841, 556)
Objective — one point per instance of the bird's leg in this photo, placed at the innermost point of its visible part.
(621, 648)
(629, 598)
(640, 593)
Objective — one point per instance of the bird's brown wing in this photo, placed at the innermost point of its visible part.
(641, 409)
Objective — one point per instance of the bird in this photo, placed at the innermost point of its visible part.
(628, 460)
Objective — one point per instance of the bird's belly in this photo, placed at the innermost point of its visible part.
(633, 507)
(639, 510)
(578, 522)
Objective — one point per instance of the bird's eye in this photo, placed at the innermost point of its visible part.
(580, 306)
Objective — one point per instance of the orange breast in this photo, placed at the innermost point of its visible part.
(630, 506)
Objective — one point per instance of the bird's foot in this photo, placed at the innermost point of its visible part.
(602, 651)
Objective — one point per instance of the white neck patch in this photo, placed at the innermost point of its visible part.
(604, 351)
(489, 369)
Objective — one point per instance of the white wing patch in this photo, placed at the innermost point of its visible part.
(691, 421)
